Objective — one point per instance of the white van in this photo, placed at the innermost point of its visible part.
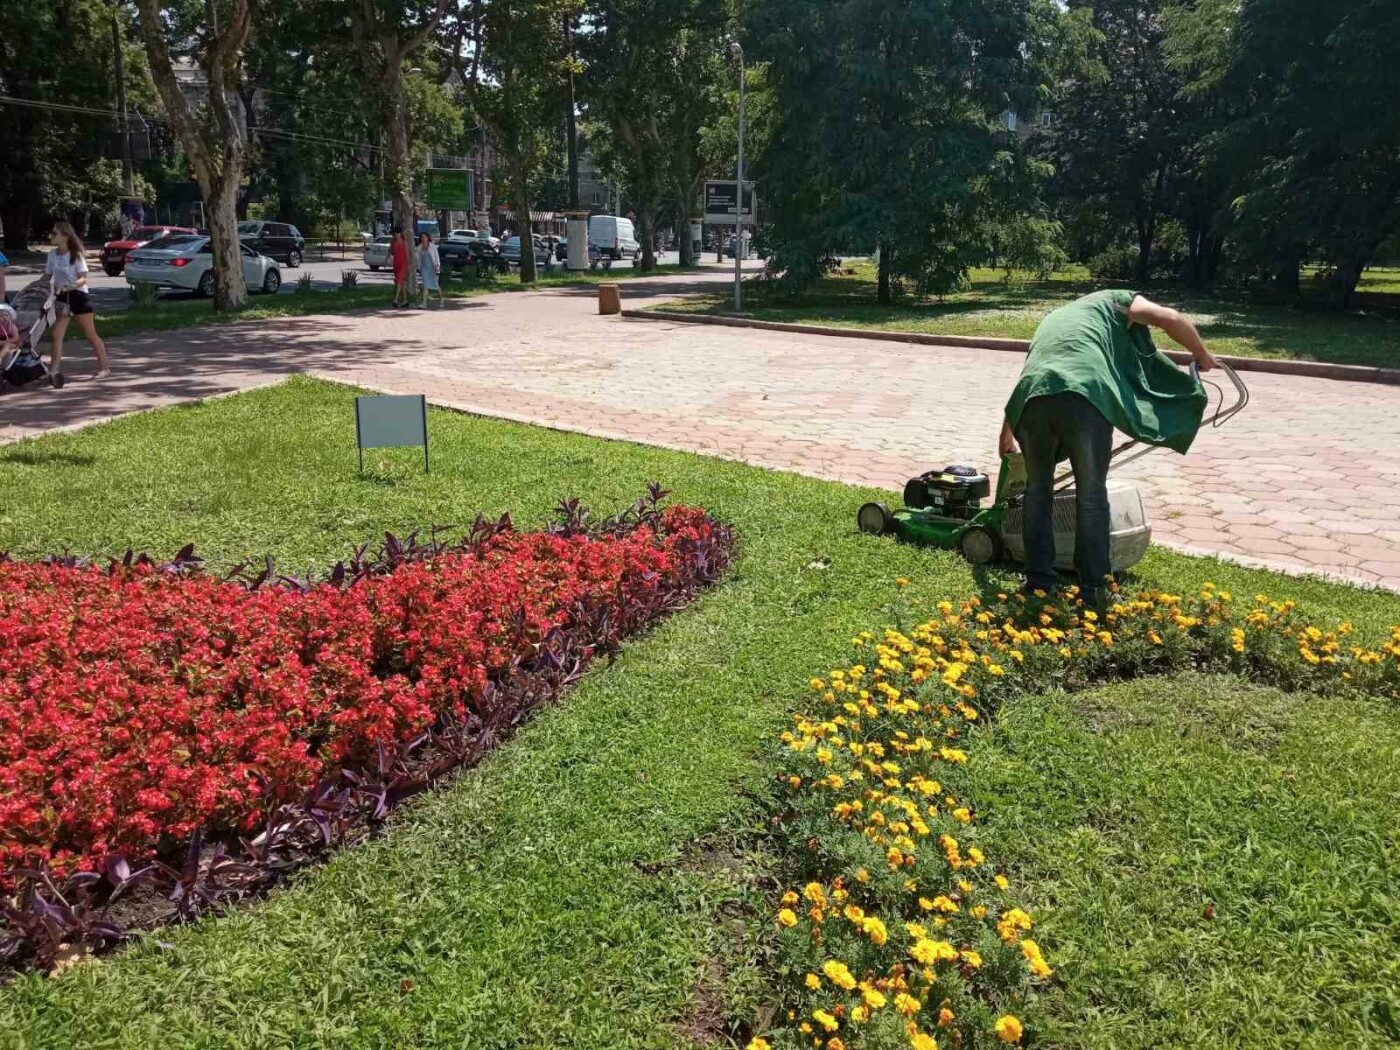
(614, 236)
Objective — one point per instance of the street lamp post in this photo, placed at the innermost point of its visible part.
(738, 52)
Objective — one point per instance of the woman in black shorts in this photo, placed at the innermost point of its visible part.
(68, 270)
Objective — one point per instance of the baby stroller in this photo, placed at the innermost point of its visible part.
(34, 314)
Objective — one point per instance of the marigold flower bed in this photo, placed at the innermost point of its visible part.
(144, 708)
(898, 931)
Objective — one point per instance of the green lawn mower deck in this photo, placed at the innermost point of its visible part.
(944, 508)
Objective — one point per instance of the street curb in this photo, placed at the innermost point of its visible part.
(1311, 369)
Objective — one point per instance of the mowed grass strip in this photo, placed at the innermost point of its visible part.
(540, 900)
(171, 314)
(1212, 863)
(1229, 323)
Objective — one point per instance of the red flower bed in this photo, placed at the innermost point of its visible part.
(140, 705)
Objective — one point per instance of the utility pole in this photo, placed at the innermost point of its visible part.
(128, 172)
(573, 117)
(577, 219)
(738, 52)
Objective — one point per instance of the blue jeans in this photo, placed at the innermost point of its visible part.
(1051, 428)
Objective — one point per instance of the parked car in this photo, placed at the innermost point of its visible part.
(511, 251)
(561, 249)
(377, 254)
(487, 259)
(614, 236)
(455, 254)
(463, 235)
(186, 264)
(113, 254)
(277, 239)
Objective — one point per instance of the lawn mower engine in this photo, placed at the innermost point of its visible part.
(953, 492)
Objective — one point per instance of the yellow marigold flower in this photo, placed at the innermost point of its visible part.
(787, 917)
(759, 1043)
(906, 1004)
(1012, 923)
(945, 1017)
(902, 582)
(943, 903)
(929, 952)
(875, 930)
(834, 1043)
(813, 982)
(827, 1021)
(1038, 965)
(873, 998)
(1002, 883)
(979, 912)
(975, 855)
(838, 974)
(962, 815)
(922, 1041)
(814, 892)
(860, 1014)
(789, 898)
(862, 876)
(1008, 1029)
(972, 958)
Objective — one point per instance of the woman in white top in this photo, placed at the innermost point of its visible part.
(67, 269)
(429, 266)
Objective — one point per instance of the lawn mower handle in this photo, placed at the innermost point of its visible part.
(1066, 479)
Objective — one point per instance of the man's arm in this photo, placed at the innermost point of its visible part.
(1006, 443)
(1143, 310)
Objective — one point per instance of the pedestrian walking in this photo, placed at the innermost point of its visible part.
(398, 255)
(1092, 367)
(67, 269)
(429, 267)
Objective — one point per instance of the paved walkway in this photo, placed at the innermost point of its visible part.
(1307, 478)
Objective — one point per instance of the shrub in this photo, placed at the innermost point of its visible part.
(304, 284)
(143, 295)
(349, 279)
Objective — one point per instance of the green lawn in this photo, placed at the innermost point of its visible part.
(1214, 863)
(551, 897)
(190, 313)
(991, 307)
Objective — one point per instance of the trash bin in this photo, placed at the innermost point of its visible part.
(609, 299)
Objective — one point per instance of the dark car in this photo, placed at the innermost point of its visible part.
(279, 240)
(480, 258)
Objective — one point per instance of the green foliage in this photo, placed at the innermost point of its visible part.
(1309, 135)
(889, 128)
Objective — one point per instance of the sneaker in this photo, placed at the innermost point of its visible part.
(103, 373)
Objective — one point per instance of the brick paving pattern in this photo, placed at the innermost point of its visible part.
(1307, 478)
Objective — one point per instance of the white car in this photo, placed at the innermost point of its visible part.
(186, 264)
(377, 254)
(462, 235)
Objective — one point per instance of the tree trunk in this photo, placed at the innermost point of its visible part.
(16, 221)
(687, 249)
(520, 184)
(648, 227)
(396, 173)
(1341, 286)
(886, 265)
(230, 290)
(1144, 259)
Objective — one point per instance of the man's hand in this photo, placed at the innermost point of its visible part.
(1143, 310)
(1204, 361)
(1006, 443)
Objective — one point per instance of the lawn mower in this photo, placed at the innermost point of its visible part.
(944, 508)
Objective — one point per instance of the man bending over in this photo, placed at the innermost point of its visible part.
(1092, 367)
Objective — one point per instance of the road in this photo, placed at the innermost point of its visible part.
(111, 293)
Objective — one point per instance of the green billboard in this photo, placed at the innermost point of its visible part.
(449, 189)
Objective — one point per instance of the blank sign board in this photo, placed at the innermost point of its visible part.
(390, 421)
